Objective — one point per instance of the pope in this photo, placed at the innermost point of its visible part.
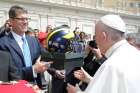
(120, 72)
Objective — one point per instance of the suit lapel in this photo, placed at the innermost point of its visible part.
(15, 45)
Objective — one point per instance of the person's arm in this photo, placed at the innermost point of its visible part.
(101, 60)
(40, 65)
(51, 71)
(89, 57)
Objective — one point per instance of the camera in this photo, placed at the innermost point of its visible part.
(93, 44)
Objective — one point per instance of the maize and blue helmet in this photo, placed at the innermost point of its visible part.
(59, 40)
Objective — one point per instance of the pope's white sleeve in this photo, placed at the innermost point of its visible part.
(104, 81)
(79, 92)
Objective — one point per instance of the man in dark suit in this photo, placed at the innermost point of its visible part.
(8, 71)
(28, 63)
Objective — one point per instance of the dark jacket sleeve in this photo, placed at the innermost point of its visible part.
(51, 71)
(13, 71)
(91, 65)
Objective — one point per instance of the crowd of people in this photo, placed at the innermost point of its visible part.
(111, 65)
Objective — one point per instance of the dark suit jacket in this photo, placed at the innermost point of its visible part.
(8, 71)
(8, 43)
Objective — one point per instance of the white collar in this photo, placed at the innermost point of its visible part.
(114, 47)
(16, 36)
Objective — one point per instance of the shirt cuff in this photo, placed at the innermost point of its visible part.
(34, 74)
(79, 91)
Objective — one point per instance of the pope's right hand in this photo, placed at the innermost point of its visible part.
(82, 75)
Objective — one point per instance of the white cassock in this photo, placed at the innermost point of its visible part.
(120, 73)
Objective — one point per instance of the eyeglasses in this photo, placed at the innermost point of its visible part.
(23, 19)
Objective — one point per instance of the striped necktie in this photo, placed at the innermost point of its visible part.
(26, 52)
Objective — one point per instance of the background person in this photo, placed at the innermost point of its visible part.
(134, 39)
(5, 29)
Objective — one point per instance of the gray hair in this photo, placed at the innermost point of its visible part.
(137, 40)
(134, 36)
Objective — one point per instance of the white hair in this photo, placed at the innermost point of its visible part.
(134, 36)
(114, 34)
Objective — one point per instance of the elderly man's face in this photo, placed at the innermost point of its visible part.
(99, 36)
